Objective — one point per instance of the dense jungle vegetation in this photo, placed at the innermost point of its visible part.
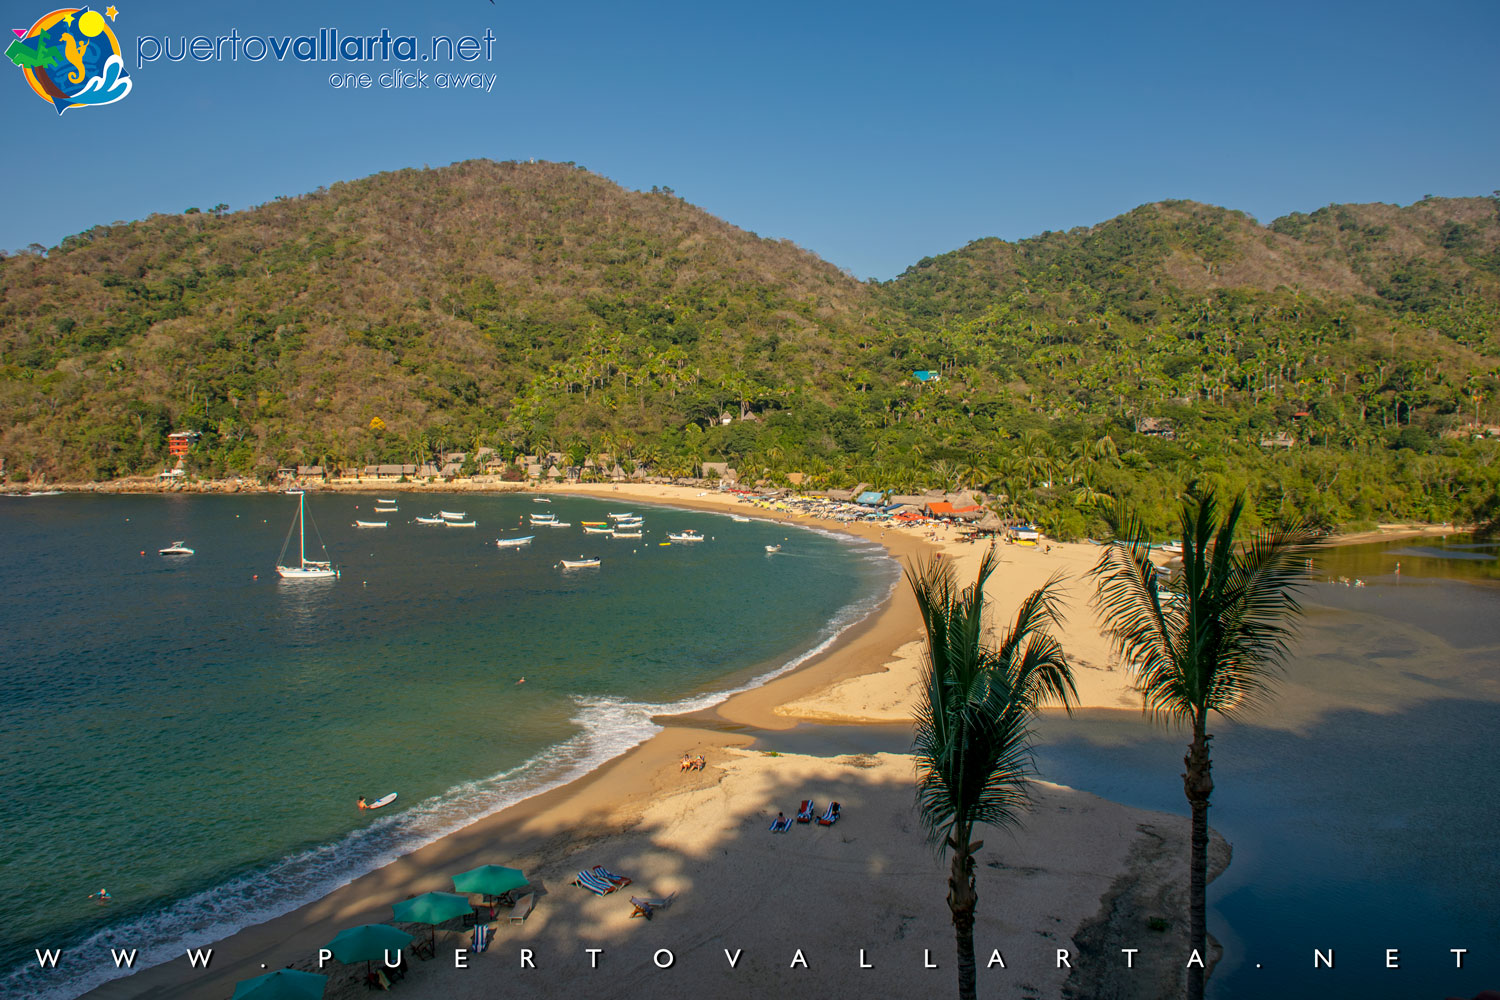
(1341, 364)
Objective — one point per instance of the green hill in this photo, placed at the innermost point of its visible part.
(540, 307)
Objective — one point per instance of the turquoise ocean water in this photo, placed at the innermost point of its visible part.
(193, 738)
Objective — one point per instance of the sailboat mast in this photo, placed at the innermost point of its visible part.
(302, 526)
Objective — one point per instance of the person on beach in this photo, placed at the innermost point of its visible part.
(685, 763)
(361, 803)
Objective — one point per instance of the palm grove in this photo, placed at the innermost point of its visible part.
(1341, 365)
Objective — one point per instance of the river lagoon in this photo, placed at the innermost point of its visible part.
(1360, 801)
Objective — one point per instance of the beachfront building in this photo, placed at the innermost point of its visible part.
(180, 442)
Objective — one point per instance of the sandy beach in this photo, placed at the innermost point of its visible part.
(754, 912)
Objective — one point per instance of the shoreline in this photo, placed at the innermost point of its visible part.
(863, 677)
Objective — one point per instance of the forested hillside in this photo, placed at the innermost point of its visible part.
(1335, 363)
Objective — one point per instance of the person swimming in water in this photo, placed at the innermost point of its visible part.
(361, 803)
(102, 896)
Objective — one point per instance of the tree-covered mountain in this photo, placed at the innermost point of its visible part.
(540, 307)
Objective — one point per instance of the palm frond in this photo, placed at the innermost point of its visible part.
(971, 739)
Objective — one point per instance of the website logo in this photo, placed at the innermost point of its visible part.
(71, 58)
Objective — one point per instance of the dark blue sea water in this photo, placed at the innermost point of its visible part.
(191, 734)
(1363, 802)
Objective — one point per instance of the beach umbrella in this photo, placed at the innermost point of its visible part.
(367, 943)
(283, 984)
(432, 908)
(491, 880)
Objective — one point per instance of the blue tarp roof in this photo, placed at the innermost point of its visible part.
(869, 497)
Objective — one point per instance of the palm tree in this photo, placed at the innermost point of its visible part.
(973, 725)
(1212, 643)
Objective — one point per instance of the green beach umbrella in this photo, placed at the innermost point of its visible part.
(367, 943)
(283, 984)
(432, 908)
(491, 880)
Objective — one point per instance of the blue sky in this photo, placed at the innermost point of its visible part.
(873, 134)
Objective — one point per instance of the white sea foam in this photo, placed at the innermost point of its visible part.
(608, 727)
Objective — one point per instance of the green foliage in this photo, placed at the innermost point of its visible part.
(537, 307)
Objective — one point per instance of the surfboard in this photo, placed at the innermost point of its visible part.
(383, 802)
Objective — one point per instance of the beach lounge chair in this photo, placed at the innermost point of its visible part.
(645, 907)
(781, 824)
(620, 881)
(595, 884)
(519, 912)
(376, 981)
(830, 817)
(806, 812)
(421, 949)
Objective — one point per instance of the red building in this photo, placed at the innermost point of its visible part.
(178, 442)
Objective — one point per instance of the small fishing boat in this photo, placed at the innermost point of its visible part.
(451, 515)
(290, 493)
(686, 536)
(430, 520)
(589, 529)
(511, 543)
(626, 534)
(738, 517)
(616, 515)
(582, 562)
(629, 524)
(543, 518)
(773, 548)
(460, 524)
(540, 500)
(175, 549)
(370, 524)
(557, 524)
(592, 524)
(385, 510)
(1171, 548)
(383, 500)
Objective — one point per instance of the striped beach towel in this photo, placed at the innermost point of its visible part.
(594, 883)
(481, 938)
(619, 881)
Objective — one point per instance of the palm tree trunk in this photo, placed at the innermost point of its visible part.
(1198, 783)
(963, 900)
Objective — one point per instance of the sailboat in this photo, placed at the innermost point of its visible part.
(306, 569)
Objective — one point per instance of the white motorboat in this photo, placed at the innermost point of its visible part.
(557, 524)
(294, 493)
(738, 517)
(686, 536)
(175, 549)
(305, 569)
(510, 543)
(626, 534)
(385, 510)
(773, 548)
(540, 500)
(617, 515)
(430, 520)
(543, 518)
(383, 500)
(371, 524)
(582, 562)
(451, 515)
(589, 529)
(460, 524)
